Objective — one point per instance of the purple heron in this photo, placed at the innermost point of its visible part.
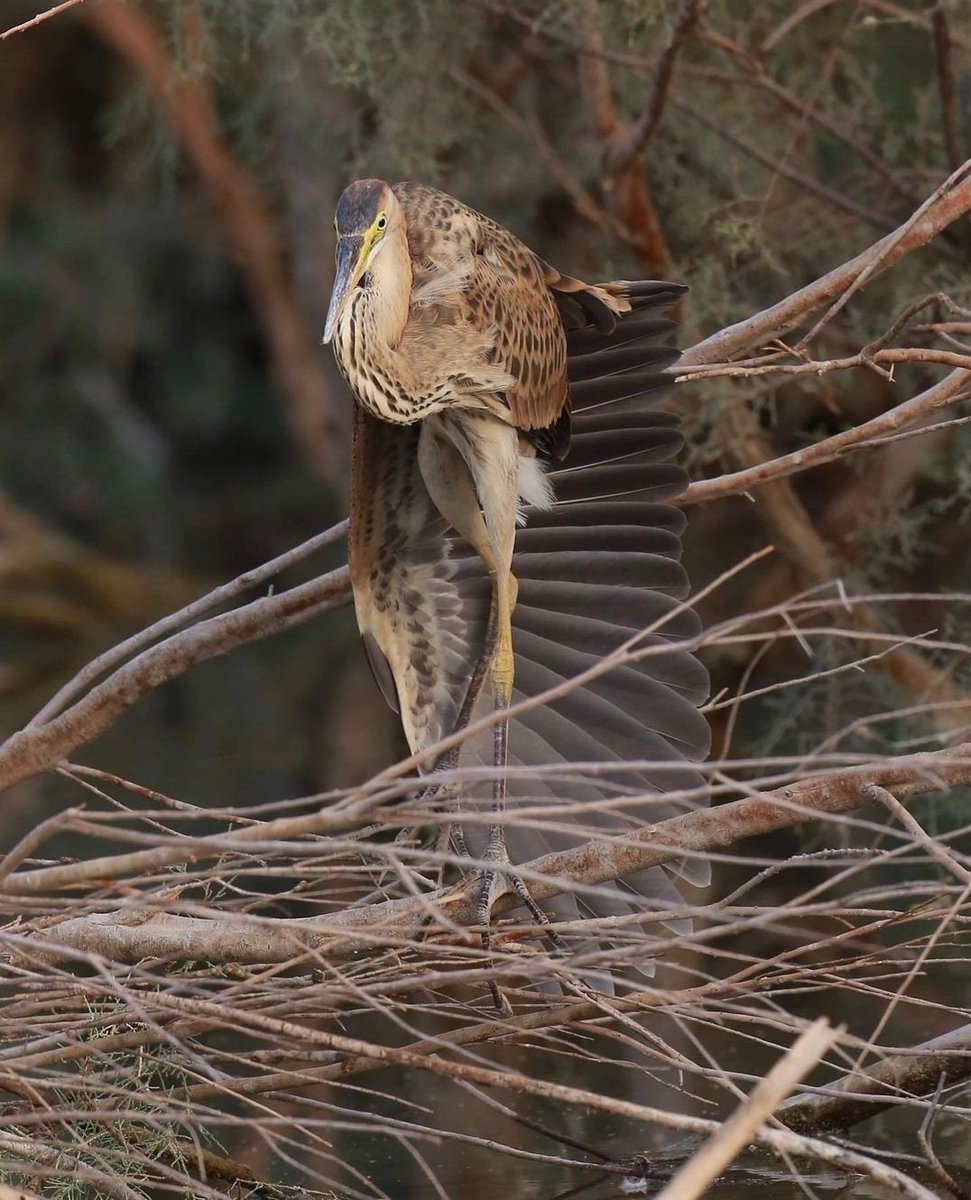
(509, 516)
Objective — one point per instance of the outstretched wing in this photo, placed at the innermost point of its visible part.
(596, 570)
(599, 568)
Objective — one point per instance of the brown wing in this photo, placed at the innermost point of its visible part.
(504, 291)
(418, 641)
(598, 568)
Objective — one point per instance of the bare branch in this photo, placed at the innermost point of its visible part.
(947, 86)
(117, 936)
(707, 1163)
(625, 147)
(950, 202)
(863, 1094)
(949, 390)
(41, 747)
(227, 591)
(43, 16)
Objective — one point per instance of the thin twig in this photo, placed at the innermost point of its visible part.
(949, 390)
(43, 16)
(947, 204)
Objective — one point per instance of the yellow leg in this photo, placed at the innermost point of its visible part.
(503, 663)
(482, 507)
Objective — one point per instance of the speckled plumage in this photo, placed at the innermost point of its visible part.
(467, 353)
(483, 327)
(454, 325)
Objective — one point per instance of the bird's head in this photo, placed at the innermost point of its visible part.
(367, 213)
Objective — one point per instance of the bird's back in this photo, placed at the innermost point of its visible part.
(472, 266)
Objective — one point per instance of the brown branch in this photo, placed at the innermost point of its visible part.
(626, 188)
(782, 1142)
(864, 1094)
(130, 935)
(811, 366)
(861, 437)
(189, 107)
(43, 16)
(595, 77)
(249, 580)
(948, 87)
(950, 202)
(722, 1148)
(39, 748)
(812, 562)
(626, 146)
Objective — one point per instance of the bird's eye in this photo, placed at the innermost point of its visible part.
(381, 223)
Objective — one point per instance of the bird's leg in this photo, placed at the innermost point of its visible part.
(502, 672)
(449, 760)
(481, 503)
(498, 490)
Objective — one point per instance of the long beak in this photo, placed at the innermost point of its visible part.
(345, 279)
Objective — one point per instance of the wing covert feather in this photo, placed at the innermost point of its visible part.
(502, 291)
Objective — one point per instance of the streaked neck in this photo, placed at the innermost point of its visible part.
(391, 279)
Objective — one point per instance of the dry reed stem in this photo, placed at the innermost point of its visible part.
(711, 1159)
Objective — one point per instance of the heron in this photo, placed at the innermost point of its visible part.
(509, 504)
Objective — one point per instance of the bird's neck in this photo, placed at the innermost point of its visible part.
(391, 288)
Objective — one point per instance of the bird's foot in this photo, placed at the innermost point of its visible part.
(499, 878)
(496, 879)
(434, 794)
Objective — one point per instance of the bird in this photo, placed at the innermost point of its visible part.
(510, 524)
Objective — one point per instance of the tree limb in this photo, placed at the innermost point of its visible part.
(862, 1095)
(131, 934)
(950, 202)
(861, 437)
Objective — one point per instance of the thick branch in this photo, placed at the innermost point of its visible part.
(128, 936)
(625, 182)
(41, 747)
(862, 1095)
